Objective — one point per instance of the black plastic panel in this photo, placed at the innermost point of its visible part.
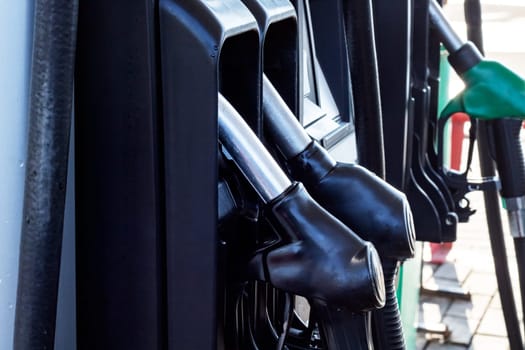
(120, 302)
(206, 46)
(393, 32)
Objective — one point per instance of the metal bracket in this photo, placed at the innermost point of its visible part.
(460, 185)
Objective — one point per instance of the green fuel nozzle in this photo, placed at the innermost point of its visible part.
(492, 90)
(496, 94)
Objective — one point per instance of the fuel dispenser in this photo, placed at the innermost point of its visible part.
(406, 97)
(210, 191)
(269, 264)
(292, 214)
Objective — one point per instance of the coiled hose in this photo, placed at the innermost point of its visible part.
(51, 102)
(387, 329)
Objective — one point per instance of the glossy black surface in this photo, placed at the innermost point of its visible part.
(319, 257)
(375, 210)
(204, 47)
(509, 157)
(346, 330)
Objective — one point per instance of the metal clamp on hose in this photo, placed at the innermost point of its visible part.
(516, 213)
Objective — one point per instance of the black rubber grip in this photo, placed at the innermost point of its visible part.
(465, 58)
(321, 259)
(519, 248)
(371, 207)
(509, 157)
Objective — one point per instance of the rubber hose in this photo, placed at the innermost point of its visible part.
(51, 94)
(472, 9)
(497, 241)
(344, 330)
(519, 248)
(387, 329)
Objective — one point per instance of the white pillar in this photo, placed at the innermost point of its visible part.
(16, 26)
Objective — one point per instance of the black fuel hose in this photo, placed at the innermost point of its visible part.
(519, 248)
(510, 162)
(472, 9)
(497, 242)
(51, 101)
(387, 329)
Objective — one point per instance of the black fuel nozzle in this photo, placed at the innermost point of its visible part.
(360, 199)
(364, 202)
(324, 260)
(318, 257)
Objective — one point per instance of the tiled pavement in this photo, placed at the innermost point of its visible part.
(477, 324)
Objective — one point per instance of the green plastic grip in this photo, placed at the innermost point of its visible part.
(492, 92)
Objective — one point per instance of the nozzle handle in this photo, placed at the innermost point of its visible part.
(509, 157)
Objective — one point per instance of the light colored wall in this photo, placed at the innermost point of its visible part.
(16, 18)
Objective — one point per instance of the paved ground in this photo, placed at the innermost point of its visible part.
(478, 324)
